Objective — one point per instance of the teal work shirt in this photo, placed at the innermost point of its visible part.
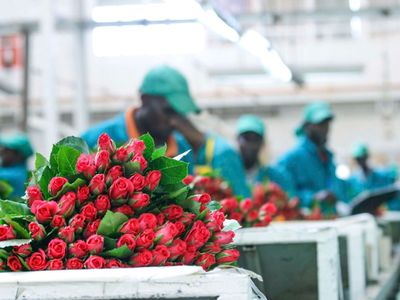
(16, 176)
(277, 175)
(310, 173)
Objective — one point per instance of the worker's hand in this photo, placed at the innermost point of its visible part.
(325, 196)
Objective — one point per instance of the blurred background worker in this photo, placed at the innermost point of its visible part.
(14, 153)
(368, 178)
(250, 136)
(311, 164)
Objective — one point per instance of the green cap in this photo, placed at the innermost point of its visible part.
(171, 84)
(250, 123)
(315, 113)
(359, 150)
(18, 142)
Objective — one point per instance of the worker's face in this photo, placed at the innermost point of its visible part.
(156, 115)
(9, 157)
(250, 144)
(318, 133)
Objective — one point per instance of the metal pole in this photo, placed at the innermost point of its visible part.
(25, 90)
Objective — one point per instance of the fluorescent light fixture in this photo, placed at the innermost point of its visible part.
(211, 19)
(355, 5)
(356, 26)
(254, 42)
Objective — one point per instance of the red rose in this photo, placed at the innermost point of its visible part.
(14, 263)
(113, 174)
(188, 179)
(55, 264)
(95, 244)
(173, 212)
(128, 240)
(105, 143)
(37, 261)
(147, 221)
(136, 146)
(215, 221)
(236, 216)
(56, 184)
(97, 184)
(229, 204)
(57, 222)
(89, 211)
(269, 208)
(74, 264)
(246, 205)
(224, 237)
(67, 234)
(6, 233)
(145, 239)
(114, 263)
(211, 248)
(252, 216)
(166, 234)
(189, 256)
(138, 181)
(83, 194)
(177, 248)
(33, 193)
(56, 249)
(124, 209)
(198, 235)
(187, 218)
(202, 198)
(180, 228)
(77, 222)
(78, 249)
(266, 220)
(131, 226)
(227, 256)
(141, 160)
(85, 165)
(91, 228)
(36, 230)
(160, 255)
(2, 265)
(139, 200)
(95, 262)
(121, 155)
(23, 250)
(102, 160)
(142, 259)
(102, 204)
(121, 189)
(206, 261)
(67, 204)
(153, 179)
(160, 219)
(44, 210)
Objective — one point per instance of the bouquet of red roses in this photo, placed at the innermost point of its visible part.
(115, 208)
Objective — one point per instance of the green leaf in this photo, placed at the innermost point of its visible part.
(66, 160)
(44, 180)
(19, 229)
(12, 243)
(149, 143)
(5, 189)
(11, 208)
(131, 167)
(3, 254)
(214, 205)
(189, 205)
(159, 152)
(110, 223)
(75, 143)
(109, 243)
(40, 161)
(173, 171)
(121, 252)
(231, 225)
(202, 215)
(68, 187)
(53, 158)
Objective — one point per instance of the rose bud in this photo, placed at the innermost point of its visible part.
(198, 235)
(236, 216)
(97, 184)
(37, 231)
(189, 256)
(147, 221)
(113, 174)
(166, 234)
(121, 155)
(145, 239)
(215, 221)
(105, 143)
(246, 205)
(44, 210)
(141, 259)
(177, 248)
(33, 193)
(95, 262)
(139, 200)
(85, 165)
(83, 194)
(120, 190)
(138, 181)
(136, 146)
(160, 219)
(125, 209)
(180, 228)
(229, 204)
(2, 265)
(224, 237)
(114, 263)
(202, 198)
(91, 228)
(128, 240)
(56, 249)
(78, 249)
(252, 216)
(57, 222)
(153, 179)
(37, 261)
(56, 184)
(187, 218)
(266, 219)
(77, 222)
(67, 234)
(95, 244)
(131, 226)
(160, 255)
(227, 256)
(6, 233)
(23, 250)
(141, 160)
(102, 160)
(74, 264)
(269, 208)
(211, 247)
(89, 211)
(173, 212)
(55, 264)
(67, 204)
(188, 179)
(14, 263)
(206, 261)
(102, 204)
